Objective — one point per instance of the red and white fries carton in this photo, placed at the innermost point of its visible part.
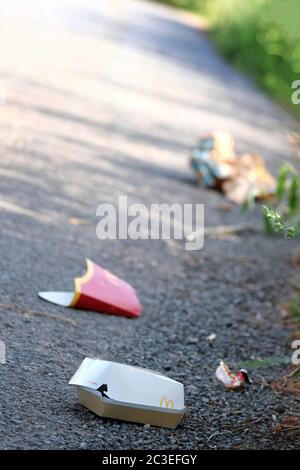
(98, 290)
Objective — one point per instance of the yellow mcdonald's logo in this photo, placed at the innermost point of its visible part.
(166, 403)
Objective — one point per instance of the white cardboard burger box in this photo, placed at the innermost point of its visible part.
(129, 393)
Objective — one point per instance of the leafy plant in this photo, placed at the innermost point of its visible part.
(283, 219)
(261, 37)
(274, 223)
(294, 307)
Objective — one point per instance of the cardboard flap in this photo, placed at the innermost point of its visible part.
(64, 299)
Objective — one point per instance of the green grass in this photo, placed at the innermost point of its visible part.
(267, 362)
(294, 307)
(261, 37)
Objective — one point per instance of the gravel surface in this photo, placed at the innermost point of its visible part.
(106, 100)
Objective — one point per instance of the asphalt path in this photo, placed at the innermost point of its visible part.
(106, 99)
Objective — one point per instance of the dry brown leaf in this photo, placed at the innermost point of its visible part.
(288, 383)
(289, 424)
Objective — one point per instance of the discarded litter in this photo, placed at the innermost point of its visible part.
(211, 338)
(252, 178)
(214, 160)
(217, 165)
(230, 380)
(98, 290)
(128, 393)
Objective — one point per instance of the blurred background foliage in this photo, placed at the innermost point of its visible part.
(283, 217)
(261, 37)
